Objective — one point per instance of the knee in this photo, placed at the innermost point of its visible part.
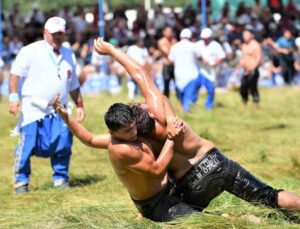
(255, 98)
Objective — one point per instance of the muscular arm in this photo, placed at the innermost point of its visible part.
(86, 137)
(138, 161)
(153, 96)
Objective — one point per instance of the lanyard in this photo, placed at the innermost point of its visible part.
(54, 59)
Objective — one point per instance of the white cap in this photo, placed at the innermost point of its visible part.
(186, 33)
(297, 42)
(206, 33)
(55, 24)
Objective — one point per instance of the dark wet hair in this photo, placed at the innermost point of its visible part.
(118, 115)
(144, 122)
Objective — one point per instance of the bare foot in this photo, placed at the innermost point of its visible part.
(252, 219)
(227, 216)
(255, 107)
(139, 217)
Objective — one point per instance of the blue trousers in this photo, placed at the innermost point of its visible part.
(48, 137)
(186, 96)
(210, 87)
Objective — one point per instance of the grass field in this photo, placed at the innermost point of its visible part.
(266, 142)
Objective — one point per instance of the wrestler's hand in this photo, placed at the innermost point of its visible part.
(175, 127)
(102, 47)
(60, 109)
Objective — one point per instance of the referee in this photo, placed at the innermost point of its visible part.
(42, 69)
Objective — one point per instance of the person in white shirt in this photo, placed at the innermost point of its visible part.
(1, 76)
(183, 55)
(139, 53)
(45, 68)
(211, 54)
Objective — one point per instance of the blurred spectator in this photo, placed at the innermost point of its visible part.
(189, 16)
(285, 46)
(184, 56)
(66, 13)
(225, 68)
(273, 31)
(226, 10)
(297, 61)
(249, 63)
(15, 22)
(35, 17)
(119, 12)
(286, 22)
(291, 8)
(212, 55)
(1, 76)
(257, 9)
(18, 16)
(139, 53)
(172, 20)
(6, 55)
(77, 46)
(78, 21)
(15, 46)
(120, 31)
(240, 10)
(164, 45)
(275, 6)
(271, 73)
(141, 17)
(159, 19)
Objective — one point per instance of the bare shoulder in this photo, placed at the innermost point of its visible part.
(162, 41)
(124, 151)
(255, 43)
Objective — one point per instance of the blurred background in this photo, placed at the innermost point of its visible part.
(124, 22)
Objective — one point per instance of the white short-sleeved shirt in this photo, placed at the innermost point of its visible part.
(184, 56)
(211, 52)
(1, 63)
(138, 54)
(44, 75)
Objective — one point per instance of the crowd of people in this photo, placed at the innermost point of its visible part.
(278, 38)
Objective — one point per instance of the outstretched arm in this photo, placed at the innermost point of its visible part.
(86, 137)
(153, 96)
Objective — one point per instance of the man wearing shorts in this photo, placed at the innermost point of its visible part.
(133, 160)
(250, 61)
(164, 45)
